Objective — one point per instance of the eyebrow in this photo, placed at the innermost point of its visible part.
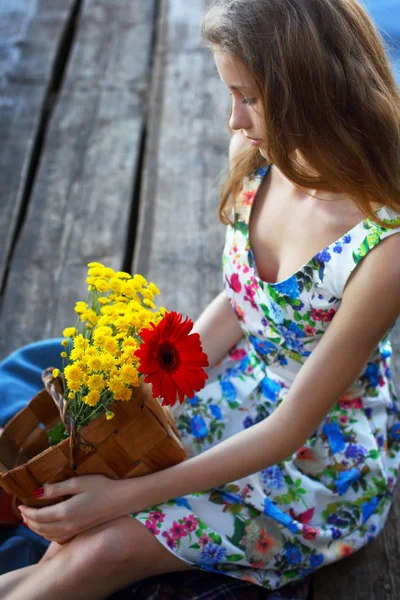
(240, 87)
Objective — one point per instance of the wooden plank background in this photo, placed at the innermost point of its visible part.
(180, 240)
(81, 199)
(115, 142)
(32, 39)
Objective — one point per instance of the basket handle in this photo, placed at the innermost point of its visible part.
(55, 388)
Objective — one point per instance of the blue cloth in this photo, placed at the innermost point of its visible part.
(386, 15)
(20, 380)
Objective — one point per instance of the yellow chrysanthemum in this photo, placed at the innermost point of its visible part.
(154, 288)
(94, 363)
(71, 395)
(74, 385)
(109, 272)
(65, 343)
(130, 342)
(73, 373)
(69, 332)
(97, 271)
(122, 275)
(107, 361)
(95, 382)
(90, 351)
(140, 280)
(63, 354)
(80, 307)
(100, 334)
(89, 315)
(110, 345)
(116, 385)
(115, 285)
(129, 289)
(56, 373)
(95, 264)
(147, 293)
(109, 414)
(101, 285)
(148, 303)
(76, 353)
(129, 375)
(124, 394)
(92, 398)
(104, 300)
(81, 342)
(113, 373)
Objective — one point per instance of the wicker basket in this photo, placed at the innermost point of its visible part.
(141, 438)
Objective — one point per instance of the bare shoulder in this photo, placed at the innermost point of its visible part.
(380, 268)
(237, 146)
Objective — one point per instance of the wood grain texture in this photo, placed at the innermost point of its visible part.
(30, 35)
(81, 199)
(180, 241)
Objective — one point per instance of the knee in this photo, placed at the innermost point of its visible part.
(113, 544)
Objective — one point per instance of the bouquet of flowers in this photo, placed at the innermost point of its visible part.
(123, 361)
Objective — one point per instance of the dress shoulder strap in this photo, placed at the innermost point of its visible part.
(364, 239)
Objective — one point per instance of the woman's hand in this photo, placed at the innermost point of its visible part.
(93, 501)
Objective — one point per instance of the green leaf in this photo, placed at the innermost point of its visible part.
(297, 316)
(374, 454)
(195, 546)
(288, 479)
(297, 483)
(234, 557)
(238, 534)
(216, 538)
(57, 434)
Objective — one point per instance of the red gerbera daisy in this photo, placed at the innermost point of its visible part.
(172, 359)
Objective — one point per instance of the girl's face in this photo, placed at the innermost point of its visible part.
(247, 107)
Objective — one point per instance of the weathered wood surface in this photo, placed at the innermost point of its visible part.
(81, 201)
(32, 33)
(180, 240)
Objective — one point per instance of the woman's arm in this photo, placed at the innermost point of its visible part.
(219, 328)
(370, 305)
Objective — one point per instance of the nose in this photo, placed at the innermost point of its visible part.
(240, 118)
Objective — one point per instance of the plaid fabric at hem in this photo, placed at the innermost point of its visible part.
(200, 585)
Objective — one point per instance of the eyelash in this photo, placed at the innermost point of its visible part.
(247, 101)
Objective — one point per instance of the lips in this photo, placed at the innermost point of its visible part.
(255, 142)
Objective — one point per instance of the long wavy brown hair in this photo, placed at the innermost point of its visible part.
(325, 81)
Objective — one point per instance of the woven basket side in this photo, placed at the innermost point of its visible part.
(163, 455)
(115, 456)
(35, 443)
(43, 406)
(139, 470)
(21, 425)
(49, 463)
(94, 464)
(138, 437)
(9, 452)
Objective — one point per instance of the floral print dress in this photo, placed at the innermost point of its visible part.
(333, 495)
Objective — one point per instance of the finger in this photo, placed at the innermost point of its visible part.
(46, 514)
(51, 491)
(53, 532)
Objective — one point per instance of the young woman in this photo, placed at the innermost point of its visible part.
(295, 440)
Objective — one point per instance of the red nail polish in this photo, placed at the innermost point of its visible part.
(38, 493)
